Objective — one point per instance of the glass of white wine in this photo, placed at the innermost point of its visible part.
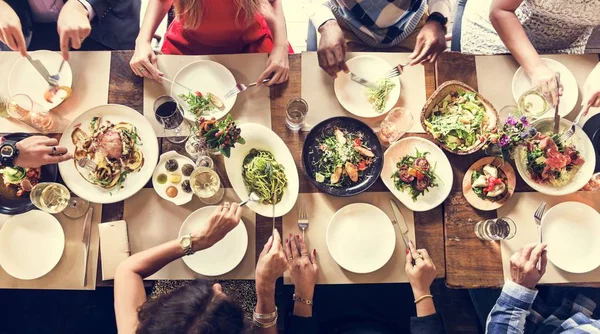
(50, 197)
(206, 184)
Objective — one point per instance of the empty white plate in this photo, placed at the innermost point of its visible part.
(568, 100)
(31, 244)
(25, 79)
(352, 96)
(205, 76)
(361, 238)
(223, 256)
(437, 159)
(572, 231)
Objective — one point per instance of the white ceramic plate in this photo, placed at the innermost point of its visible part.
(25, 79)
(583, 145)
(223, 256)
(436, 158)
(135, 181)
(521, 84)
(351, 95)
(262, 138)
(572, 230)
(31, 244)
(182, 197)
(205, 76)
(361, 238)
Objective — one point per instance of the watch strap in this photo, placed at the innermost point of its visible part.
(438, 17)
(8, 159)
(187, 250)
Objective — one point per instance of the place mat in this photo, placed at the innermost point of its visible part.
(252, 106)
(152, 221)
(495, 74)
(68, 273)
(91, 74)
(520, 208)
(320, 208)
(317, 90)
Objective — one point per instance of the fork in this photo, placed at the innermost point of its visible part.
(56, 77)
(537, 217)
(569, 133)
(302, 220)
(396, 71)
(87, 164)
(238, 88)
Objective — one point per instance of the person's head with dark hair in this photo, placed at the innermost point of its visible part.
(197, 307)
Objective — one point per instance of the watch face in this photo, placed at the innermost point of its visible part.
(6, 151)
(185, 242)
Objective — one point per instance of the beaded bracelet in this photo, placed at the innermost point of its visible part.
(308, 302)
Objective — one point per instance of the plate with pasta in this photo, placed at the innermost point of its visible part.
(115, 151)
(265, 166)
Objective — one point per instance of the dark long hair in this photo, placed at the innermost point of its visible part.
(193, 308)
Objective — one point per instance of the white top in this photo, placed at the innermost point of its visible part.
(46, 11)
(553, 26)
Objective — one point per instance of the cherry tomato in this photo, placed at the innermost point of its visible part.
(362, 165)
(198, 94)
(357, 142)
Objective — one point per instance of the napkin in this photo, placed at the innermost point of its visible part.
(520, 208)
(114, 247)
(320, 208)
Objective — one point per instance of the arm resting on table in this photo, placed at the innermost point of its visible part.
(511, 309)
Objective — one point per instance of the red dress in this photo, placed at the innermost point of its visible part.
(218, 33)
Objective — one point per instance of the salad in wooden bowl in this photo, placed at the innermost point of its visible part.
(459, 118)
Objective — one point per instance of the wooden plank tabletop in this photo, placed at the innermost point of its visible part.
(127, 89)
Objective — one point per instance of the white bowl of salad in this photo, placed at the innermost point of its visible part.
(459, 118)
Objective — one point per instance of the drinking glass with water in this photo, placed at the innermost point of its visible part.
(502, 228)
(397, 122)
(295, 113)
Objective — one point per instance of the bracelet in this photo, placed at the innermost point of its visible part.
(265, 324)
(265, 316)
(422, 297)
(308, 302)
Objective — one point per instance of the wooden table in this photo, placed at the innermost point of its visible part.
(127, 89)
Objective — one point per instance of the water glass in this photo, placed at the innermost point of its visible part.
(22, 108)
(502, 228)
(169, 113)
(397, 122)
(295, 113)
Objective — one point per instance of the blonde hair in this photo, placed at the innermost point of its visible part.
(190, 11)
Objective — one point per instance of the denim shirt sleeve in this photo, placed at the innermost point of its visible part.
(511, 309)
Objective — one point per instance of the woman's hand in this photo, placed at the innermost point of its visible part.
(302, 266)
(36, 151)
(420, 274)
(591, 91)
(11, 32)
(523, 265)
(225, 218)
(144, 62)
(277, 66)
(544, 78)
(271, 264)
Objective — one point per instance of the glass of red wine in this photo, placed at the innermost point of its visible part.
(169, 114)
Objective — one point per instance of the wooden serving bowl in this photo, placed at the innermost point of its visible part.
(446, 88)
(482, 204)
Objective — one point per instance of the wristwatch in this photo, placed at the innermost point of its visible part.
(8, 153)
(438, 17)
(186, 244)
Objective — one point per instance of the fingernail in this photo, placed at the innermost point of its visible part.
(297, 236)
(407, 251)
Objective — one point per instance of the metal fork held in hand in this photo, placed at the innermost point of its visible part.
(302, 220)
(569, 133)
(56, 77)
(396, 71)
(87, 164)
(241, 87)
(537, 217)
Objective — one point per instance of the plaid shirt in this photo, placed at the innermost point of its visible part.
(378, 23)
(513, 314)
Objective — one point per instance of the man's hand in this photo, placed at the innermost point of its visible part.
(431, 41)
(11, 32)
(36, 151)
(523, 265)
(332, 49)
(73, 26)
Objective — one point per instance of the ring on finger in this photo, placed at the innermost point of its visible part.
(290, 258)
(53, 150)
(142, 70)
(304, 254)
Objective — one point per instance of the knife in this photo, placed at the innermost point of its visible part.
(362, 81)
(274, 199)
(41, 70)
(401, 224)
(556, 115)
(87, 231)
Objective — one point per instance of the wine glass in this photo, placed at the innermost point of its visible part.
(169, 114)
(206, 184)
(76, 208)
